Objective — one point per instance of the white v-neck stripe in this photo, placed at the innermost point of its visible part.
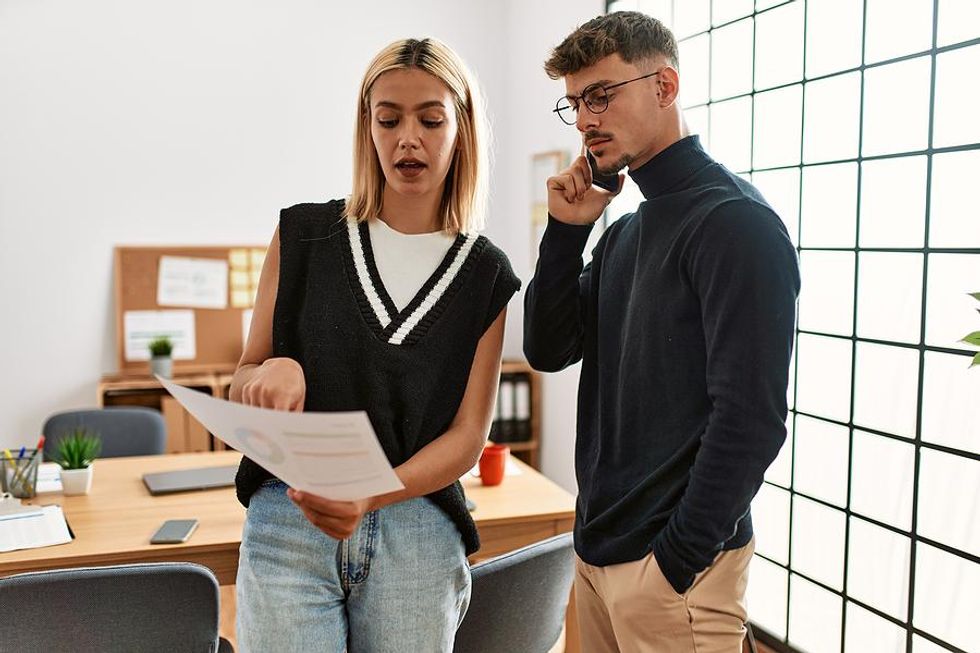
(432, 298)
(373, 294)
(363, 277)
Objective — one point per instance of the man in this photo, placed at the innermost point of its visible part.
(683, 322)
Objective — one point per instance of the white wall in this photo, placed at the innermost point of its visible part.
(192, 123)
(526, 125)
(182, 122)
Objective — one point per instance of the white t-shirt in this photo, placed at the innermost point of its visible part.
(406, 261)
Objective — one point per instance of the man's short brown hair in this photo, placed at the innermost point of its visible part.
(631, 34)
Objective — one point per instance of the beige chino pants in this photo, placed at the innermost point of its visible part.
(631, 608)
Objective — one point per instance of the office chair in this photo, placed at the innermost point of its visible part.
(519, 599)
(155, 607)
(124, 431)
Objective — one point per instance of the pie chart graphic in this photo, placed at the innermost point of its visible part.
(258, 445)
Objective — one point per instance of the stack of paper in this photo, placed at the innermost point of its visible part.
(33, 527)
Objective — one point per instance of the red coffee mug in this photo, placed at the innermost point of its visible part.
(493, 462)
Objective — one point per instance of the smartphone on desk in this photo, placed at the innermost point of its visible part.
(174, 531)
(606, 182)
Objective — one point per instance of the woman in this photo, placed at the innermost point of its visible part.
(389, 303)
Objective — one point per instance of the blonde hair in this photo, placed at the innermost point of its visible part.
(463, 204)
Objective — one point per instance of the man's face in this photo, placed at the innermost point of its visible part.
(625, 133)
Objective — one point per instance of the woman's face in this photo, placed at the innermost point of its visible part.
(413, 126)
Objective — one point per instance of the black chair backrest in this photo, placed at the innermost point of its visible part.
(124, 431)
(519, 599)
(152, 607)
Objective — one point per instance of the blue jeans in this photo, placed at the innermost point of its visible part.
(400, 583)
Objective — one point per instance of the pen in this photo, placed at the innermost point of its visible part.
(21, 454)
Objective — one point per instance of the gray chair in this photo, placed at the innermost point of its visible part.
(124, 431)
(156, 607)
(519, 599)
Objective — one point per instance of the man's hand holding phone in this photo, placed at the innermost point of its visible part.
(573, 199)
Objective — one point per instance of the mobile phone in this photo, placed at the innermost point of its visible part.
(174, 531)
(606, 182)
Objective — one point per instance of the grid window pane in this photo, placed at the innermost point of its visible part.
(827, 292)
(779, 46)
(833, 108)
(947, 593)
(817, 542)
(882, 479)
(731, 60)
(889, 303)
(777, 127)
(731, 133)
(823, 380)
(829, 209)
(922, 645)
(765, 4)
(950, 410)
(950, 311)
(814, 617)
(954, 219)
(833, 36)
(956, 99)
(691, 17)
(958, 20)
(878, 568)
(697, 121)
(869, 633)
(894, 31)
(694, 69)
(725, 11)
(779, 472)
(781, 188)
(820, 460)
(659, 9)
(791, 386)
(896, 107)
(770, 523)
(886, 388)
(949, 500)
(767, 595)
(893, 202)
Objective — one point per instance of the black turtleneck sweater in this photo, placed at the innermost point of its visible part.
(684, 324)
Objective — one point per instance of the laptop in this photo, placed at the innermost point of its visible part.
(199, 478)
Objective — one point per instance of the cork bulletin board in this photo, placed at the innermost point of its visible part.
(216, 321)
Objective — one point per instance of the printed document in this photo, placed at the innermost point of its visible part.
(333, 455)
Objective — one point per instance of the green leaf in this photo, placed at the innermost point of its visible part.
(975, 295)
(972, 339)
(976, 360)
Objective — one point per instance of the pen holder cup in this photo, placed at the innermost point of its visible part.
(18, 475)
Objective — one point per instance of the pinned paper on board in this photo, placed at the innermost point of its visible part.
(192, 282)
(142, 327)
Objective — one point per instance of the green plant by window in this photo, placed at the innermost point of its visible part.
(161, 346)
(974, 338)
(77, 449)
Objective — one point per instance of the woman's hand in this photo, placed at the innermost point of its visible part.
(278, 383)
(338, 519)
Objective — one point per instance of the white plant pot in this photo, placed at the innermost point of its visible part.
(76, 481)
(162, 365)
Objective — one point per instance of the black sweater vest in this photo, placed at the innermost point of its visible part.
(408, 369)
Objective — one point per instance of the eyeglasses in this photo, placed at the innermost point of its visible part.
(595, 97)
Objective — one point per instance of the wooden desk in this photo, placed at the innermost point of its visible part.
(113, 524)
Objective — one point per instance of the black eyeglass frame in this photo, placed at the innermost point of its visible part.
(573, 100)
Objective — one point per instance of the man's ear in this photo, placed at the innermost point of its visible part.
(668, 86)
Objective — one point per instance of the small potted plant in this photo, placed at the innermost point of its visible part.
(974, 338)
(75, 452)
(160, 361)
